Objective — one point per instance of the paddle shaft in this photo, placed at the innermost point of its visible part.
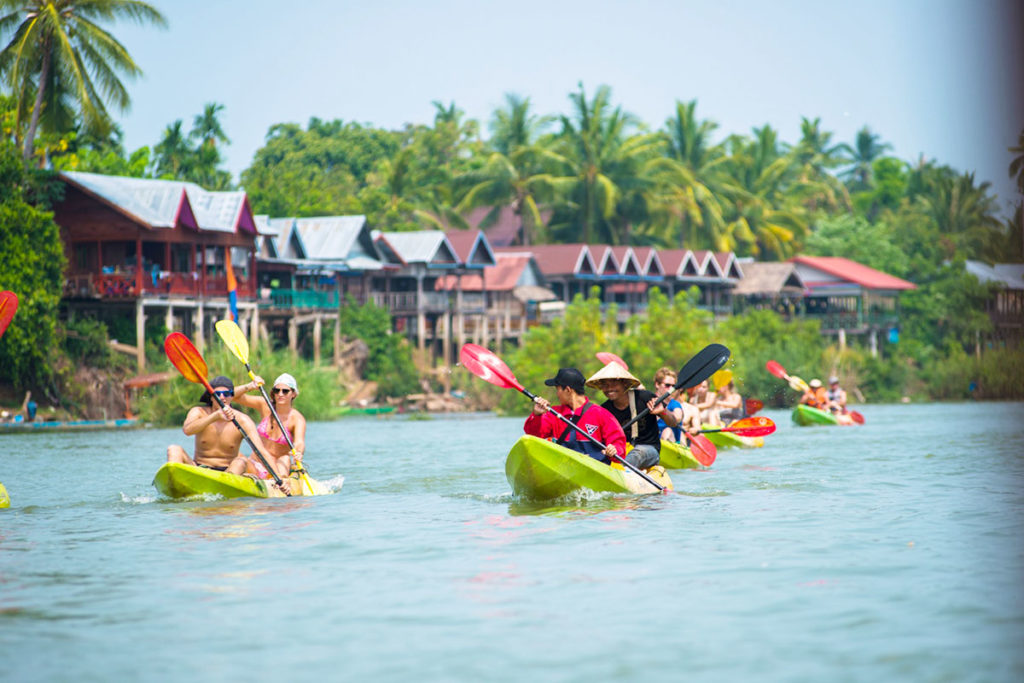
(602, 446)
(643, 413)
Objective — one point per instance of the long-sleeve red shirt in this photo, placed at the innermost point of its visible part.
(596, 421)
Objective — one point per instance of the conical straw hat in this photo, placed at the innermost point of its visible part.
(613, 371)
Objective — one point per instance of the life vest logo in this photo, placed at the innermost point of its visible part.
(591, 429)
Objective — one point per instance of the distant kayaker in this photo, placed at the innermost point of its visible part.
(729, 403)
(665, 380)
(836, 396)
(815, 396)
(283, 393)
(574, 405)
(626, 401)
(217, 439)
(704, 399)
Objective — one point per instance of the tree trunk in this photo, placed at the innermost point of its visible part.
(37, 108)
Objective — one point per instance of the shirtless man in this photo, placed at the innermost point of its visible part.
(217, 438)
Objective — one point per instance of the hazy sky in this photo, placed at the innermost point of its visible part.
(943, 78)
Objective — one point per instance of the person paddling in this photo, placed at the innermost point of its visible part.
(729, 403)
(574, 405)
(625, 400)
(704, 399)
(217, 440)
(283, 393)
(665, 380)
(815, 396)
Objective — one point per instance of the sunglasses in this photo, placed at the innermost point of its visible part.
(667, 384)
(283, 392)
(224, 393)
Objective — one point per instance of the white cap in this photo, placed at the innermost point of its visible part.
(815, 383)
(288, 381)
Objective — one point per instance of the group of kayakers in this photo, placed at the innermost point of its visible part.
(218, 441)
(618, 422)
(832, 400)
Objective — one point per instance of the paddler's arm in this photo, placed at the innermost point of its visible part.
(658, 410)
(535, 424)
(254, 402)
(299, 436)
(198, 419)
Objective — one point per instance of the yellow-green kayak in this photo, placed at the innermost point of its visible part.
(677, 456)
(5, 500)
(542, 470)
(176, 480)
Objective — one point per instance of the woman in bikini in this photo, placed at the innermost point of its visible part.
(282, 394)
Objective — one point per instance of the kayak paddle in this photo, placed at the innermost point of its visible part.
(607, 357)
(184, 356)
(857, 417)
(231, 334)
(488, 367)
(752, 405)
(721, 378)
(795, 383)
(8, 307)
(698, 369)
(748, 426)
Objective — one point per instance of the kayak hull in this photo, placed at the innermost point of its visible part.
(5, 500)
(806, 416)
(177, 480)
(542, 470)
(677, 456)
(730, 440)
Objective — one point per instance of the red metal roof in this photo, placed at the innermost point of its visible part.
(557, 259)
(858, 273)
(501, 277)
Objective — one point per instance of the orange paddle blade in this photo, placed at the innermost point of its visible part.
(488, 367)
(751, 426)
(607, 357)
(753, 405)
(703, 450)
(8, 307)
(857, 417)
(184, 356)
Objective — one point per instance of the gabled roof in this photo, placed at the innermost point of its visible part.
(559, 260)
(728, 265)
(429, 247)
(629, 266)
(678, 263)
(823, 271)
(604, 257)
(769, 278)
(707, 265)
(651, 265)
(168, 203)
(344, 240)
(472, 248)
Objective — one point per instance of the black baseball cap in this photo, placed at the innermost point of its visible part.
(567, 377)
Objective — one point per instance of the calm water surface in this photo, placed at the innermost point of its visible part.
(886, 552)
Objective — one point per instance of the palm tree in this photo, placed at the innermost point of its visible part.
(606, 183)
(815, 157)
(689, 182)
(58, 47)
(966, 216)
(1017, 165)
(513, 174)
(867, 147)
(173, 155)
(206, 127)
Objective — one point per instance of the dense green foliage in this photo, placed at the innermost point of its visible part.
(390, 361)
(31, 266)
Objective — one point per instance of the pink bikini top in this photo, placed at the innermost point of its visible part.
(263, 429)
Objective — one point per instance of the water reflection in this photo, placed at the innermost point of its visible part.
(583, 505)
(241, 518)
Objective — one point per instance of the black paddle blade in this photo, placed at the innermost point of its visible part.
(702, 366)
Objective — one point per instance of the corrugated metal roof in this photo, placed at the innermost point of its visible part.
(1005, 274)
(157, 203)
(330, 237)
(845, 269)
(430, 247)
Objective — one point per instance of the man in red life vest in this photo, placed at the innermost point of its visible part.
(574, 405)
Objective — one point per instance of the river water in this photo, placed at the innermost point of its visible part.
(892, 551)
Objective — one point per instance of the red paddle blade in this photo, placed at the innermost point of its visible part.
(776, 369)
(857, 417)
(751, 426)
(183, 355)
(607, 357)
(703, 450)
(753, 405)
(8, 307)
(488, 367)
